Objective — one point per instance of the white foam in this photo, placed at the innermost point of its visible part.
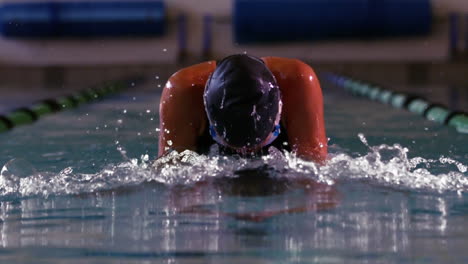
(382, 165)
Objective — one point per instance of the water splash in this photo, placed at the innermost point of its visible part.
(382, 165)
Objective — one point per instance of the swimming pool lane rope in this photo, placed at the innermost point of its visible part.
(415, 104)
(28, 115)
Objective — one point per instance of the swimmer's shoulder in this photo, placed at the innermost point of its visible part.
(188, 82)
(193, 75)
(286, 67)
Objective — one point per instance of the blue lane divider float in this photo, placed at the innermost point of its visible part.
(290, 20)
(28, 115)
(82, 19)
(415, 104)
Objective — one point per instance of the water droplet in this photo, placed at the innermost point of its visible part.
(165, 50)
(254, 111)
(222, 99)
(148, 111)
(67, 171)
(363, 139)
(124, 111)
(169, 142)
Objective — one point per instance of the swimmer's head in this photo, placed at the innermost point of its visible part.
(243, 103)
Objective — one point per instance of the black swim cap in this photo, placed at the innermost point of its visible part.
(242, 100)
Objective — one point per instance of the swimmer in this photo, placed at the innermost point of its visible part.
(244, 104)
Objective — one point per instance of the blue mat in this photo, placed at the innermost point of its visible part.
(82, 19)
(290, 20)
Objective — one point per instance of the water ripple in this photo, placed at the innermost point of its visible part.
(383, 165)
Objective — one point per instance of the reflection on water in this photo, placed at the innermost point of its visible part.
(368, 225)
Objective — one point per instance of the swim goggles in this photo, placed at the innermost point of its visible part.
(271, 137)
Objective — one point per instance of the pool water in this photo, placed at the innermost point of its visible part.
(82, 187)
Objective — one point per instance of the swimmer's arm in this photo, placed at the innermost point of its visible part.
(302, 107)
(181, 110)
